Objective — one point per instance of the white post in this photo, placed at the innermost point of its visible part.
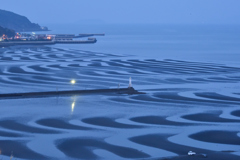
(130, 83)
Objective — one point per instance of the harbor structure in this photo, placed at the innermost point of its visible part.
(46, 39)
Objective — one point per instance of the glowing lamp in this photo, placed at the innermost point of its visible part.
(73, 81)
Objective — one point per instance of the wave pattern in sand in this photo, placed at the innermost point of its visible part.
(187, 106)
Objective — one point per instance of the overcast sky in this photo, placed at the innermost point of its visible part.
(127, 11)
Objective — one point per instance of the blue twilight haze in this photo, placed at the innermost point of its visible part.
(182, 57)
(125, 11)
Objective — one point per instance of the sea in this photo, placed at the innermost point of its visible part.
(190, 76)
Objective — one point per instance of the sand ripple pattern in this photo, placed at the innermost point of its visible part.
(187, 106)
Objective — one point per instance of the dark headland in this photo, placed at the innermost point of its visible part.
(18, 22)
(13, 26)
(6, 31)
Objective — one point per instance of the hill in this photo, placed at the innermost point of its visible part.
(17, 22)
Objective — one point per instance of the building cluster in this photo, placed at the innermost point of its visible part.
(3, 37)
(27, 37)
(45, 39)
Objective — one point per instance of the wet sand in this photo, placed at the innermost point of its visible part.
(173, 96)
(19, 150)
(108, 122)
(157, 120)
(160, 141)
(223, 137)
(10, 134)
(208, 117)
(124, 100)
(200, 91)
(58, 123)
(13, 125)
(236, 113)
(148, 98)
(83, 149)
(18, 70)
(217, 96)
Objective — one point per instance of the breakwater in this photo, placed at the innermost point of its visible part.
(129, 90)
(13, 43)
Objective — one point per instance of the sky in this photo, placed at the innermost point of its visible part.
(127, 11)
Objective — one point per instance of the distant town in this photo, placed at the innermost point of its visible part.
(45, 39)
(18, 30)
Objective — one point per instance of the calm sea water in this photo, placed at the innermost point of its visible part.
(207, 43)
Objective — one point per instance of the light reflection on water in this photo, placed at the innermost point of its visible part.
(73, 105)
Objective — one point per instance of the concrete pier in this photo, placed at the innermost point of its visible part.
(129, 90)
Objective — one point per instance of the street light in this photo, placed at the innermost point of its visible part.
(73, 81)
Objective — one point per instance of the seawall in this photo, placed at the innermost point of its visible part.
(129, 91)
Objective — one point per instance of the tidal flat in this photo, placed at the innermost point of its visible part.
(191, 102)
